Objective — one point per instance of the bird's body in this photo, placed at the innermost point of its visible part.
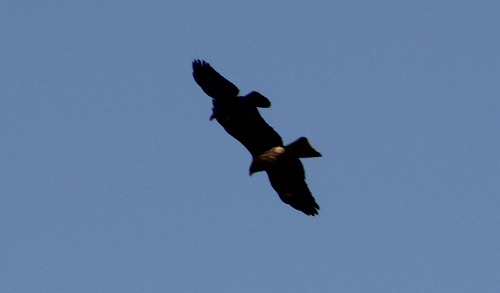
(239, 116)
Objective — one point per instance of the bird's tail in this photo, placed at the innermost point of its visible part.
(301, 148)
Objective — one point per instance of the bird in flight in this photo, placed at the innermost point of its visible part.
(239, 116)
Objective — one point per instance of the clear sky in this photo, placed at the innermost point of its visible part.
(113, 179)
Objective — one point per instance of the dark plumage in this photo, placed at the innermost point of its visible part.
(239, 116)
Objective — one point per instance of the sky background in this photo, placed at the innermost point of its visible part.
(113, 179)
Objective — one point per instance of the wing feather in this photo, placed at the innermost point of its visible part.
(211, 82)
(288, 180)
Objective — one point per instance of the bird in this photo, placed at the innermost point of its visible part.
(240, 117)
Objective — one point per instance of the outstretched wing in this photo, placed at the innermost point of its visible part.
(288, 179)
(211, 82)
(238, 115)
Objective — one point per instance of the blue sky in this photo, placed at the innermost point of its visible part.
(113, 179)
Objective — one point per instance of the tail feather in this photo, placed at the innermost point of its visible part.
(301, 148)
